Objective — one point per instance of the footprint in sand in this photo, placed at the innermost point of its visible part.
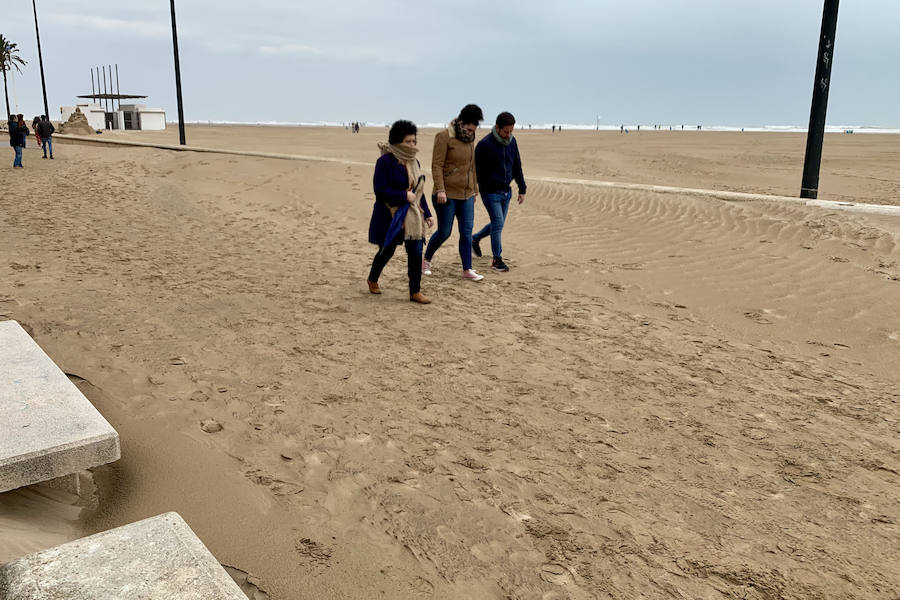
(758, 317)
(764, 316)
(416, 585)
(557, 574)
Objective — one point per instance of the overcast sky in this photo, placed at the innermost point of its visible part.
(566, 61)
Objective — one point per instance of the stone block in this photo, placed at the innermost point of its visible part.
(48, 429)
(155, 559)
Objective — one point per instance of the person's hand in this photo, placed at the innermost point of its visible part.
(442, 197)
(410, 197)
(429, 221)
(521, 198)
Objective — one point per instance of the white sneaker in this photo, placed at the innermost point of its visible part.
(426, 267)
(472, 275)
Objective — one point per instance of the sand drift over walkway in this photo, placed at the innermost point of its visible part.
(667, 396)
(721, 194)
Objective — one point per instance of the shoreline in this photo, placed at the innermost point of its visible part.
(829, 129)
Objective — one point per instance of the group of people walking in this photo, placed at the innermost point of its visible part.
(19, 132)
(461, 169)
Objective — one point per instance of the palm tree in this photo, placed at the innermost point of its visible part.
(9, 59)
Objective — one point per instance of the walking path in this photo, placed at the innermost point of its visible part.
(879, 209)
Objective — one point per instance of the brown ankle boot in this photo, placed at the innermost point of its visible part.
(420, 298)
(373, 287)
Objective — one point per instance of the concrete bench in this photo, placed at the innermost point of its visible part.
(155, 559)
(48, 429)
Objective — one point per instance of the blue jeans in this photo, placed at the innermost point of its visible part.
(497, 206)
(47, 143)
(464, 210)
(18, 160)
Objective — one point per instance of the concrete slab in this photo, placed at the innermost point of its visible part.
(48, 428)
(155, 559)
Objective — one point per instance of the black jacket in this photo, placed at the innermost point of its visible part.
(16, 134)
(45, 129)
(497, 165)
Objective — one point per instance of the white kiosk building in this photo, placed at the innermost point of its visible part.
(103, 114)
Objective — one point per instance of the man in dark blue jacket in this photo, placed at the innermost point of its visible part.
(497, 163)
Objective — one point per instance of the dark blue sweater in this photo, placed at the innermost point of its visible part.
(391, 182)
(497, 165)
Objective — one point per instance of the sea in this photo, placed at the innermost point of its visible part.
(582, 127)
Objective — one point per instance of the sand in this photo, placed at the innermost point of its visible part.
(667, 396)
(77, 124)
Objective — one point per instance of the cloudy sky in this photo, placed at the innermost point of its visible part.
(565, 61)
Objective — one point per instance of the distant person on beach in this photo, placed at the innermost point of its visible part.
(18, 131)
(37, 136)
(400, 214)
(553, 129)
(46, 130)
(453, 169)
(23, 128)
(497, 163)
(15, 139)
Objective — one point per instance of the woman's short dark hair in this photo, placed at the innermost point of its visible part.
(471, 114)
(505, 119)
(400, 129)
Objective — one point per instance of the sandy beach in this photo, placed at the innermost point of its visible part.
(667, 396)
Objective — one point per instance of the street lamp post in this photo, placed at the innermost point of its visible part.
(809, 188)
(40, 58)
(177, 77)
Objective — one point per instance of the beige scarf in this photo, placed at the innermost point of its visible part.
(414, 223)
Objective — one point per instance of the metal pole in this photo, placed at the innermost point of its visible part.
(118, 89)
(92, 84)
(809, 188)
(105, 101)
(177, 77)
(112, 101)
(40, 58)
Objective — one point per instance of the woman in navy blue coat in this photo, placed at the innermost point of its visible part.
(400, 214)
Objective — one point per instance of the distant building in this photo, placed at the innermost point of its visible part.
(128, 116)
(139, 116)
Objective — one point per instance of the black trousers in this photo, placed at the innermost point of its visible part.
(414, 258)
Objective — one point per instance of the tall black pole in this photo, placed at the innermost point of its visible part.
(177, 77)
(37, 32)
(92, 84)
(809, 188)
(118, 89)
(105, 100)
(112, 91)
